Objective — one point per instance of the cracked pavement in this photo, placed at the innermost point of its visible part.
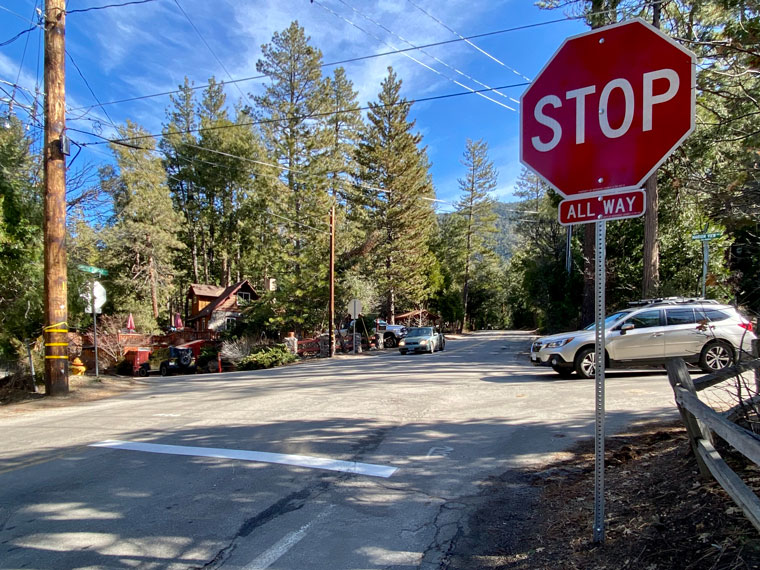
(452, 424)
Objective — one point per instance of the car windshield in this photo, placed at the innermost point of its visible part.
(420, 331)
(610, 320)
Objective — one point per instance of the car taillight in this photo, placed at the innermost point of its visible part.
(746, 326)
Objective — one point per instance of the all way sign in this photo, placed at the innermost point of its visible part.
(629, 204)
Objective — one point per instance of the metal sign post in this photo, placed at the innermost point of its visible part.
(599, 313)
(705, 237)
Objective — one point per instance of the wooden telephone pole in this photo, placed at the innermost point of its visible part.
(56, 310)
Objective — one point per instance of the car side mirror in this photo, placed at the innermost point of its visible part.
(626, 327)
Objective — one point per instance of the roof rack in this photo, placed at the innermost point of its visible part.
(672, 301)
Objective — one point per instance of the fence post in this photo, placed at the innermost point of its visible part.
(756, 354)
(678, 376)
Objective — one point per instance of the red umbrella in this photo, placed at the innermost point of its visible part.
(178, 322)
(130, 323)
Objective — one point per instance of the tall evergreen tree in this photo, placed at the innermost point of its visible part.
(392, 161)
(476, 207)
(21, 263)
(296, 140)
(141, 239)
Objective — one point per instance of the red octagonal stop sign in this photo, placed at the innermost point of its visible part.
(608, 109)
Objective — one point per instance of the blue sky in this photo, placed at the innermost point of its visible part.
(148, 48)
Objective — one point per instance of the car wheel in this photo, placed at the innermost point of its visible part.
(563, 371)
(164, 370)
(443, 345)
(185, 360)
(402, 351)
(142, 372)
(716, 356)
(389, 341)
(585, 363)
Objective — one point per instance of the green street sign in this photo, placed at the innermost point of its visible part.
(706, 237)
(93, 270)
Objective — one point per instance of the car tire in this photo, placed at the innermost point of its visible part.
(443, 345)
(164, 369)
(142, 372)
(563, 371)
(185, 360)
(402, 351)
(585, 362)
(389, 341)
(716, 356)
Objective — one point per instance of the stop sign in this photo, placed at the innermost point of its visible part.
(607, 109)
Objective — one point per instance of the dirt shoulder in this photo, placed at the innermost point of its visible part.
(659, 513)
(81, 389)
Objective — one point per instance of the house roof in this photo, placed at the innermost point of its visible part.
(221, 297)
(200, 290)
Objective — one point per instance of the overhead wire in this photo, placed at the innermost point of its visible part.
(310, 116)
(81, 10)
(467, 41)
(407, 42)
(348, 60)
(211, 51)
(414, 59)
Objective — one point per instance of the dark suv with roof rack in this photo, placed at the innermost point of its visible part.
(702, 332)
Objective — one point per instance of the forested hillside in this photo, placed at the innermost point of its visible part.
(242, 189)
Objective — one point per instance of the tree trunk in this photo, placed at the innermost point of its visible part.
(651, 281)
(587, 305)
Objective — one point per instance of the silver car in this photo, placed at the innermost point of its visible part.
(422, 339)
(702, 332)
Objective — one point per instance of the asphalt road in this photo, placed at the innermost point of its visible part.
(359, 462)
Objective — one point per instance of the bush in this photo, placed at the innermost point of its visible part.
(267, 357)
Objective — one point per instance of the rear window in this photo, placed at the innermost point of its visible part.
(712, 315)
(680, 316)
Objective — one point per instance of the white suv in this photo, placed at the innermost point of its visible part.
(702, 332)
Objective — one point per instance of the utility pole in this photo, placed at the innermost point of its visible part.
(56, 310)
(331, 304)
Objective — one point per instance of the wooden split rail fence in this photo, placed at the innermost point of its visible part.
(703, 422)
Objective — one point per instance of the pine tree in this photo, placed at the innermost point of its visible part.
(298, 142)
(392, 161)
(21, 263)
(141, 239)
(476, 207)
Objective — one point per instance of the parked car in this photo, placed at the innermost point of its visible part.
(422, 339)
(392, 334)
(702, 332)
(170, 359)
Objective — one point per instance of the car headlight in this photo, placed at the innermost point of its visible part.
(559, 343)
(423, 342)
(402, 343)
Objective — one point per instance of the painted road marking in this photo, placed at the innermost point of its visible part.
(274, 553)
(261, 456)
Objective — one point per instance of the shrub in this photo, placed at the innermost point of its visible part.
(267, 357)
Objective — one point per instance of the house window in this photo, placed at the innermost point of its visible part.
(229, 323)
(244, 296)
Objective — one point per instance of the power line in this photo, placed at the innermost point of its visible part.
(454, 69)
(80, 10)
(17, 36)
(460, 36)
(349, 60)
(211, 51)
(417, 61)
(311, 116)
